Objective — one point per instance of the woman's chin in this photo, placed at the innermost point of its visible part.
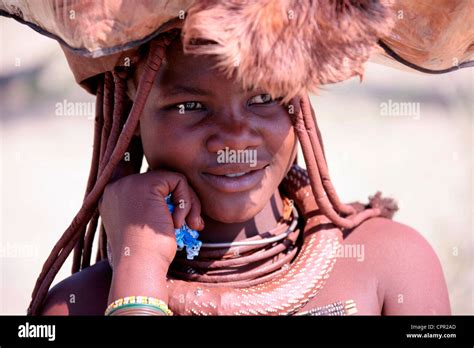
(232, 215)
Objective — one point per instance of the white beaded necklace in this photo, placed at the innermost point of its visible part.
(263, 241)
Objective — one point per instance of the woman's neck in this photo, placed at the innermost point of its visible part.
(219, 232)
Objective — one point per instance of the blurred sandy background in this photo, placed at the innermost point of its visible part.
(424, 160)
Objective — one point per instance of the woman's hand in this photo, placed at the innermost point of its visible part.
(136, 216)
(140, 229)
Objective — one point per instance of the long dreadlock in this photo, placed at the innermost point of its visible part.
(115, 122)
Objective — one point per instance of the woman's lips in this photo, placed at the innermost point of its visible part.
(231, 182)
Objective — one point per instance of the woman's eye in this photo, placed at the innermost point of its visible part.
(262, 99)
(187, 106)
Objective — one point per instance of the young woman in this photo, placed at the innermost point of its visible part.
(398, 270)
(221, 147)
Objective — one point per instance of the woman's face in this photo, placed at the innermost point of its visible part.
(203, 125)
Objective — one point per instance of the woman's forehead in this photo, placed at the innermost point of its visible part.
(180, 68)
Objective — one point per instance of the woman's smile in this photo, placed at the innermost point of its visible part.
(235, 178)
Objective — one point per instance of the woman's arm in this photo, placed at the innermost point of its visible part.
(142, 273)
(140, 230)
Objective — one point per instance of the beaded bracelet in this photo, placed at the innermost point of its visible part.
(139, 302)
(136, 309)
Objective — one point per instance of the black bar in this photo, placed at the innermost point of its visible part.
(136, 331)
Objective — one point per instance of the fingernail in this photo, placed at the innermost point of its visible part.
(201, 221)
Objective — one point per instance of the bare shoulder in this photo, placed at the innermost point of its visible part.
(385, 233)
(409, 274)
(83, 293)
(390, 245)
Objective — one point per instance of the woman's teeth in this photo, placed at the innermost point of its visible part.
(235, 175)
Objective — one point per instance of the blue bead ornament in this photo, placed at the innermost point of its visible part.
(185, 237)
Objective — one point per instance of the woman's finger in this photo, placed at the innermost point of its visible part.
(180, 197)
(194, 219)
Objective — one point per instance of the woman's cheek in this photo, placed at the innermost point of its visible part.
(154, 146)
(285, 151)
(280, 137)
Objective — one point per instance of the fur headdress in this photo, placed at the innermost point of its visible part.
(282, 46)
(288, 46)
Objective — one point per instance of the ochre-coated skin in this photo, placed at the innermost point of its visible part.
(397, 261)
(399, 274)
(284, 294)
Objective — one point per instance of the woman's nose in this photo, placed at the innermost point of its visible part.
(233, 128)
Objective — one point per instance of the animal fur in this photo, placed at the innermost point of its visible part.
(287, 46)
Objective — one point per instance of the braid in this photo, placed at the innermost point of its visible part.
(114, 109)
(136, 158)
(109, 112)
(324, 193)
(316, 144)
(98, 124)
(73, 233)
